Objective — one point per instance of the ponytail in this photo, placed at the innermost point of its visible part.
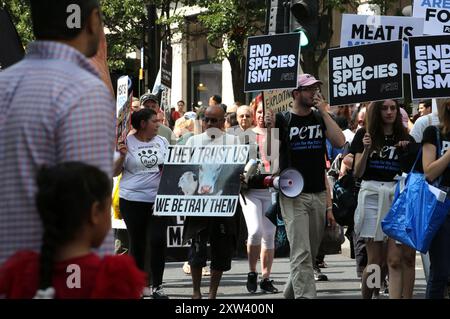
(64, 199)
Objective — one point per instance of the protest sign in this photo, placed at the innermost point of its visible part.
(124, 121)
(176, 249)
(365, 73)
(166, 64)
(272, 62)
(201, 180)
(278, 100)
(430, 66)
(122, 93)
(436, 15)
(361, 29)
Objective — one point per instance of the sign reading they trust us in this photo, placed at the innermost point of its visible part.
(201, 180)
(430, 66)
(365, 73)
(272, 62)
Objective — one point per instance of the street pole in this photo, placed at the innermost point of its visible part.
(287, 11)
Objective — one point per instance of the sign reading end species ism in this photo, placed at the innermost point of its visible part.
(365, 73)
(430, 66)
(272, 62)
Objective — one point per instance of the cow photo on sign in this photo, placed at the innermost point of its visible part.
(365, 73)
(430, 66)
(201, 180)
(272, 62)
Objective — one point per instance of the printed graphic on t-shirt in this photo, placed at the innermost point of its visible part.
(148, 158)
(306, 138)
(385, 159)
(445, 147)
(145, 157)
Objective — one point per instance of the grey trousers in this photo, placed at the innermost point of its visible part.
(305, 219)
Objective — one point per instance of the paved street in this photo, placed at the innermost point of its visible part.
(341, 273)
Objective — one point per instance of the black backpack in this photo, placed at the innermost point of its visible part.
(345, 199)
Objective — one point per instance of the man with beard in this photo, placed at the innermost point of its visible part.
(303, 132)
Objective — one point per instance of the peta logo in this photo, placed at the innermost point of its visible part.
(74, 19)
(306, 132)
(387, 152)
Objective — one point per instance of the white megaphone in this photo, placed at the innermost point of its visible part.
(289, 182)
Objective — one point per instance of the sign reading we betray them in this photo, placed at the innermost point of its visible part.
(201, 180)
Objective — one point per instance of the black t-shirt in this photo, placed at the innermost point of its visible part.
(381, 165)
(307, 147)
(429, 137)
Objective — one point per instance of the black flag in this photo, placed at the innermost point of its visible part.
(11, 49)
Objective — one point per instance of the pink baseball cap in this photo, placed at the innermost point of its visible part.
(405, 117)
(306, 80)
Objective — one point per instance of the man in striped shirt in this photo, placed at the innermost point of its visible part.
(53, 108)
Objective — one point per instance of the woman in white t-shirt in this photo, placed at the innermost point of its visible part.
(140, 163)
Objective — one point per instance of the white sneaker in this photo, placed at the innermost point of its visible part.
(147, 292)
(186, 268)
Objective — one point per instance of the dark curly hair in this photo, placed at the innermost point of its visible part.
(64, 199)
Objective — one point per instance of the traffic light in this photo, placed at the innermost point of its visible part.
(306, 14)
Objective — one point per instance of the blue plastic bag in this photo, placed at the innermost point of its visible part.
(416, 215)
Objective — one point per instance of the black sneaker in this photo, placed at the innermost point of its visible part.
(252, 282)
(318, 276)
(158, 293)
(267, 286)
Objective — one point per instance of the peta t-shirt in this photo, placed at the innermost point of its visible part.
(307, 145)
(382, 165)
(429, 137)
(141, 169)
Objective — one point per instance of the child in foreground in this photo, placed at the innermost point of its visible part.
(74, 203)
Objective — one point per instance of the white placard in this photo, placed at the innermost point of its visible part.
(363, 29)
(436, 15)
(122, 93)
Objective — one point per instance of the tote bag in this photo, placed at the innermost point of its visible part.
(417, 212)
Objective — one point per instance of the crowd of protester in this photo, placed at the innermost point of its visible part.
(56, 150)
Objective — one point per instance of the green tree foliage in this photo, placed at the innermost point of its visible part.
(21, 17)
(312, 60)
(124, 20)
(227, 25)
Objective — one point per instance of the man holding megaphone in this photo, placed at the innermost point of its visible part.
(303, 132)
